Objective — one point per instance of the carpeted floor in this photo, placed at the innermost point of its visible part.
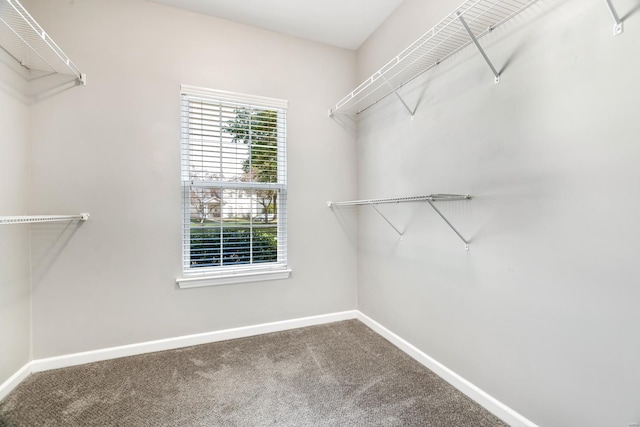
(339, 374)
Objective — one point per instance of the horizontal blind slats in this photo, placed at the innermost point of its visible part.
(234, 192)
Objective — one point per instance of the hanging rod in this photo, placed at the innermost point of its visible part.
(429, 199)
(27, 219)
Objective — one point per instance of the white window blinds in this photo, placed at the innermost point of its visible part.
(234, 182)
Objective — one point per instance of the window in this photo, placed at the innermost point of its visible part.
(234, 188)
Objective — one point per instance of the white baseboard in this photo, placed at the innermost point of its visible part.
(184, 341)
(491, 404)
(15, 379)
(494, 406)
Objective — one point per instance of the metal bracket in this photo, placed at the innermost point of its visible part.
(412, 113)
(466, 242)
(475, 41)
(430, 199)
(388, 222)
(617, 26)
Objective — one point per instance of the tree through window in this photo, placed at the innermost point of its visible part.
(234, 181)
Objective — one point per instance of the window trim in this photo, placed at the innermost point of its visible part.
(199, 280)
(243, 273)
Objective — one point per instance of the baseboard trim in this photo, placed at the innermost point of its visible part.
(497, 408)
(13, 381)
(493, 405)
(75, 359)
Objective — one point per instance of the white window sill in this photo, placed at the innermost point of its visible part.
(214, 279)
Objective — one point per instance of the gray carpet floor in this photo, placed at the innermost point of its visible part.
(338, 374)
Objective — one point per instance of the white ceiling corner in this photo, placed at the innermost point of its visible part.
(343, 23)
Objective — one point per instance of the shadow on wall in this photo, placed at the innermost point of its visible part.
(14, 266)
(631, 12)
(348, 220)
(48, 240)
(31, 86)
(53, 85)
(347, 122)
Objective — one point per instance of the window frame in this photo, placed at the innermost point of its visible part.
(238, 273)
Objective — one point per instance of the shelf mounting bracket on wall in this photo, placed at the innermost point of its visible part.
(617, 26)
(412, 113)
(441, 42)
(466, 242)
(475, 41)
(388, 222)
(429, 199)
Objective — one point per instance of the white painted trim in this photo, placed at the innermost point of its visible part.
(235, 97)
(13, 381)
(494, 406)
(201, 280)
(490, 403)
(185, 341)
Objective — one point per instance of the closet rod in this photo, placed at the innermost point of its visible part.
(28, 219)
(430, 197)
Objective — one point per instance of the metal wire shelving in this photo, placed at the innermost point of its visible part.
(24, 40)
(30, 219)
(471, 21)
(430, 199)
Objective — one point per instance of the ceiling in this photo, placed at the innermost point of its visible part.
(343, 23)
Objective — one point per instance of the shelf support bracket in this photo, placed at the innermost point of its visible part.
(388, 222)
(617, 27)
(482, 52)
(412, 113)
(466, 242)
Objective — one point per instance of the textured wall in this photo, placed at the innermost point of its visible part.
(112, 149)
(542, 311)
(15, 293)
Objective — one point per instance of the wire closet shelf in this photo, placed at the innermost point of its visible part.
(430, 199)
(469, 22)
(24, 40)
(29, 219)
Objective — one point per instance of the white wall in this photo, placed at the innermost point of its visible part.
(15, 292)
(542, 312)
(112, 149)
